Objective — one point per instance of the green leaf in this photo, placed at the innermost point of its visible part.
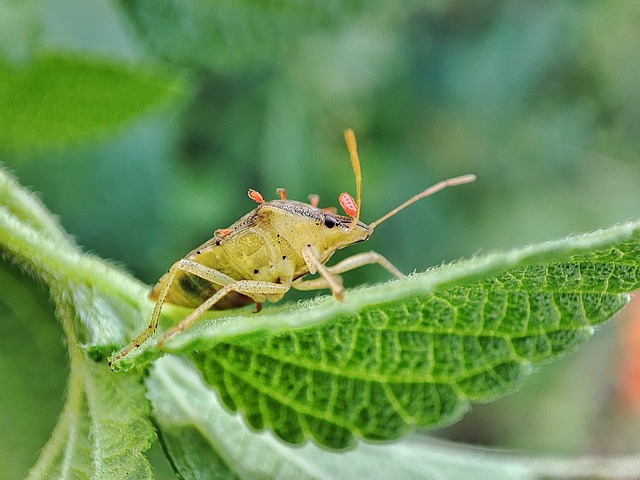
(230, 35)
(416, 351)
(32, 371)
(103, 430)
(412, 352)
(174, 388)
(104, 427)
(59, 100)
(98, 291)
(191, 415)
(26, 208)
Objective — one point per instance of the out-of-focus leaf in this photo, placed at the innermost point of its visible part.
(59, 100)
(33, 371)
(229, 35)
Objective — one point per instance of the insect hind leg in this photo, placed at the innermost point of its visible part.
(257, 290)
(181, 265)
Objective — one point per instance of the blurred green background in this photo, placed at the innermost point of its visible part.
(141, 124)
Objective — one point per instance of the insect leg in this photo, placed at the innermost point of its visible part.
(314, 284)
(328, 280)
(184, 265)
(366, 258)
(345, 265)
(250, 288)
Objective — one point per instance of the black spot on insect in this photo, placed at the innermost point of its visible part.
(329, 221)
(284, 257)
(256, 271)
(217, 244)
(198, 252)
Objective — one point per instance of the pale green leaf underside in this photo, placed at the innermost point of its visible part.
(102, 432)
(185, 409)
(410, 357)
(174, 387)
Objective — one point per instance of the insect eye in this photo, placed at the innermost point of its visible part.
(329, 221)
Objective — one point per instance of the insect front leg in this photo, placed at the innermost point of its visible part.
(181, 265)
(327, 280)
(349, 263)
(362, 259)
(257, 290)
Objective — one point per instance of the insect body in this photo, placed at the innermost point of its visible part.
(270, 250)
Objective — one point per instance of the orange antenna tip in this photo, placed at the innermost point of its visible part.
(350, 139)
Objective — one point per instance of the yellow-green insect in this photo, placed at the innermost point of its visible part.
(269, 251)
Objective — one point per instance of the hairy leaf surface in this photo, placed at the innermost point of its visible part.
(415, 352)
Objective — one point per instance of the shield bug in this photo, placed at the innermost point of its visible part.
(270, 250)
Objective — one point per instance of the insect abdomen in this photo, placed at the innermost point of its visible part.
(189, 290)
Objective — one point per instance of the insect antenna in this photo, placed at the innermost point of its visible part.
(352, 208)
(350, 139)
(425, 193)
